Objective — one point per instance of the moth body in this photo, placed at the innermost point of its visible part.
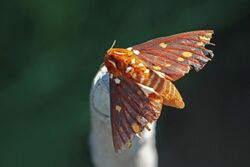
(124, 62)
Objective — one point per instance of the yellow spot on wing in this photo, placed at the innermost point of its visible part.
(204, 38)
(209, 34)
(135, 127)
(180, 59)
(118, 108)
(167, 65)
(156, 67)
(200, 43)
(163, 45)
(187, 54)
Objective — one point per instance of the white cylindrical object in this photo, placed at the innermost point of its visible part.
(143, 152)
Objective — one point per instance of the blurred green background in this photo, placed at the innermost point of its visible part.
(50, 51)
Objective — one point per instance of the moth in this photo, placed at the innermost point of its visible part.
(141, 76)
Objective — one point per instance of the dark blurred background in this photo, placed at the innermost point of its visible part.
(50, 51)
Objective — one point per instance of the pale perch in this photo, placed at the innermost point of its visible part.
(143, 152)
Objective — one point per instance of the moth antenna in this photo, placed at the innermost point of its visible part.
(112, 46)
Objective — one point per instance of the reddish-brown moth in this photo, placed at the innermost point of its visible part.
(140, 80)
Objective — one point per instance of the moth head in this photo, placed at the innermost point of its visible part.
(117, 59)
